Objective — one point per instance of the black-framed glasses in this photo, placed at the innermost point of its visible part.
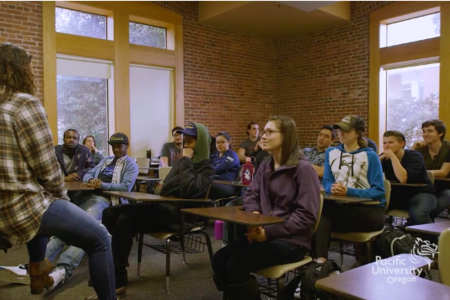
(268, 132)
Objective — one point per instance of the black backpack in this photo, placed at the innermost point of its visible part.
(308, 277)
(394, 241)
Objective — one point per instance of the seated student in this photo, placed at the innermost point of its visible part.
(75, 160)
(351, 169)
(189, 178)
(89, 142)
(407, 166)
(436, 153)
(226, 166)
(33, 196)
(285, 186)
(171, 152)
(247, 147)
(113, 173)
(316, 155)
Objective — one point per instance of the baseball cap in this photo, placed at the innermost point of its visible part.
(118, 138)
(190, 129)
(350, 122)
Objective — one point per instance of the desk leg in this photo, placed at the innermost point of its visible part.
(141, 244)
(182, 218)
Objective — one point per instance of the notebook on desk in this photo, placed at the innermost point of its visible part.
(163, 171)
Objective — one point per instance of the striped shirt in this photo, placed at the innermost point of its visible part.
(30, 176)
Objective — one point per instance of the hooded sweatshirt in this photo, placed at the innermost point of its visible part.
(360, 171)
(189, 178)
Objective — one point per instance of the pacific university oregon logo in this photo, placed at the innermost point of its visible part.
(399, 270)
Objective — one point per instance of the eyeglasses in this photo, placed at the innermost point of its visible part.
(267, 132)
(175, 135)
(220, 142)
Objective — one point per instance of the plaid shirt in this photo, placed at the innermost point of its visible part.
(30, 176)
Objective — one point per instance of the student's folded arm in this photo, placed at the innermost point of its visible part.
(192, 185)
(230, 162)
(304, 217)
(163, 161)
(414, 168)
(241, 155)
(130, 174)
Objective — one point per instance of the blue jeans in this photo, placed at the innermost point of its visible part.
(443, 201)
(74, 226)
(420, 207)
(71, 258)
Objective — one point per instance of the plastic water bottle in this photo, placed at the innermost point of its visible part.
(218, 229)
(247, 171)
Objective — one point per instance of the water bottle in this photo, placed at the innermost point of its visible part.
(247, 171)
(218, 229)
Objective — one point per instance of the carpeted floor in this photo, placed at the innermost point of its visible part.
(191, 281)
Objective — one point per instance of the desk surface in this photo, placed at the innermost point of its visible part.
(396, 183)
(368, 282)
(147, 178)
(76, 186)
(144, 197)
(347, 199)
(233, 183)
(234, 214)
(431, 228)
(441, 179)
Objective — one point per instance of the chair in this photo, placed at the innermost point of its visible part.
(143, 162)
(401, 213)
(221, 201)
(169, 236)
(163, 172)
(277, 272)
(4, 244)
(444, 257)
(362, 237)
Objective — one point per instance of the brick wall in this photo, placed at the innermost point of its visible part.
(229, 77)
(21, 24)
(323, 77)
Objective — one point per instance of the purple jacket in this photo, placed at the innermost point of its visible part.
(292, 192)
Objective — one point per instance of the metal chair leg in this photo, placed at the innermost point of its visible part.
(280, 288)
(183, 249)
(341, 252)
(167, 264)
(140, 246)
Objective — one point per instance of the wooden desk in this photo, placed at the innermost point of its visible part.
(396, 183)
(431, 228)
(148, 168)
(144, 197)
(441, 179)
(234, 214)
(76, 186)
(147, 178)
(233, 183)
(367, 282)
(346, 199)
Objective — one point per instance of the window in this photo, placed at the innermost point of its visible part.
(147, 35)
(82, 99)
(412, 96)
(412, 30)
(80, 23)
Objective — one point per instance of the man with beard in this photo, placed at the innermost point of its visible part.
(171, 152)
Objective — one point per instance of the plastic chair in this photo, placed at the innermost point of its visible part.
(277, 272)
(401, 213)
(362, 237)
(444, 256)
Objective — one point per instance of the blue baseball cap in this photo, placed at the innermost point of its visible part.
(190, 129)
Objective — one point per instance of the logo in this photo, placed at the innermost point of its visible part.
(347, 119)
(399, 270)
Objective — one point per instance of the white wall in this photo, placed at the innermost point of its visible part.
(150, 109)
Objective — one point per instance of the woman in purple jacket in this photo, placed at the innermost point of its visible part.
(285, 186)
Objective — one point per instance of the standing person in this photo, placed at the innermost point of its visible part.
(189, 178)
(407, 166)
(226, 166)
(285, 186)
(247, 147)
(89, 142)
(316, 155)
(351, 169)
(75, 159)
(171, 152)
(436, 153)
(33, 197)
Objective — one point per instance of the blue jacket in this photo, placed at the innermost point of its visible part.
(291, 192)
(225, 167)
(83, 160)
(128, 175)
(360, 171)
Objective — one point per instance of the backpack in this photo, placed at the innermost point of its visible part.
(308, 277)
(394, 241)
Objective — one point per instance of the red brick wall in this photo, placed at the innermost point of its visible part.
(229, 77)
(21, 24)
(323, 77)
